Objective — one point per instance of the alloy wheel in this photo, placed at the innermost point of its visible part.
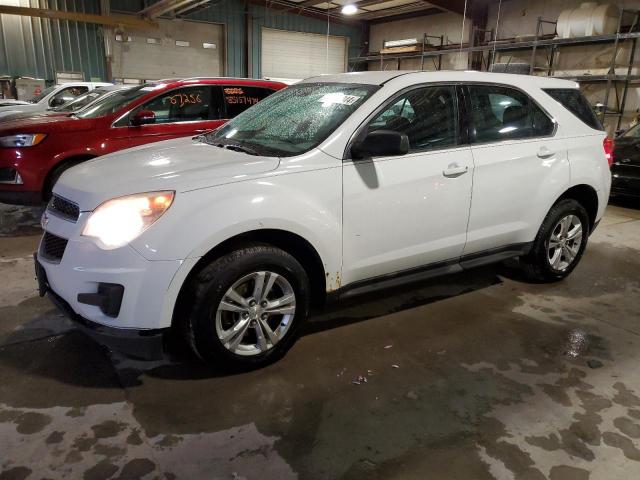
(564, 243)
(255, 313)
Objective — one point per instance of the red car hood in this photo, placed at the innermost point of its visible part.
(46, 124)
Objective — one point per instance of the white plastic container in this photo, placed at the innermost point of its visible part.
(588, 20)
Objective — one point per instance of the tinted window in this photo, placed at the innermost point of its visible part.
(501, 113)
(633, 132)
(426, 115)
(238, 99)
(181, 105)
(67, 94)
(573, 100)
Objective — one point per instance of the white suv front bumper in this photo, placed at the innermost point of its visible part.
(83, 267)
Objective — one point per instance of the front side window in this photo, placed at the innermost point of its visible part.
(238, 98)
(187, 104)
(66, 95)
(426, 115)
(294, 120)
(43, 94)
(502, 113)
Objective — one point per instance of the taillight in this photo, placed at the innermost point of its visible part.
(608, 149)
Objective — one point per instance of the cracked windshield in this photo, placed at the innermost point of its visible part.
(292, 121)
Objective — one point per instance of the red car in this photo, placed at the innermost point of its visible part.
(35, 151)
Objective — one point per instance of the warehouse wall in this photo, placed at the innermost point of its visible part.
(39, 47)
(262, 17)
(231, 14)
(519, 17)
(447, 24)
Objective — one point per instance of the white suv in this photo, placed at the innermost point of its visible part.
(336, 186)
(54, 96)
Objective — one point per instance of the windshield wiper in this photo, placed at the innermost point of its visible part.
(235, 146)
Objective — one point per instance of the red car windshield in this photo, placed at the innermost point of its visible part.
(113, 103)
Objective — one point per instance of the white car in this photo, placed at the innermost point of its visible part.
(333, 187)
(54, 96)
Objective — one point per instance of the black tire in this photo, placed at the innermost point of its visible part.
(55, 174)
(536, 265)
(210, 285)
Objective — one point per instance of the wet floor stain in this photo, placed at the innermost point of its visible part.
(95, 445)
(474, 376)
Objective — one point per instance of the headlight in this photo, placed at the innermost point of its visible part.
(22, 140)
(117, 222)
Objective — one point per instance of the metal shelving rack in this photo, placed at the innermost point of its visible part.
(551, 45)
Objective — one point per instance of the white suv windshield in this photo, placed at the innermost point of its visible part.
(292, 121)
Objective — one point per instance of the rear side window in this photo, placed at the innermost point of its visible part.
(502, 113)
(237, 99)
(573, 100)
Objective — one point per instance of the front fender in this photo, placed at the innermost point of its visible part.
(307, 204)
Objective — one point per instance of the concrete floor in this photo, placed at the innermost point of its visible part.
(476, 376)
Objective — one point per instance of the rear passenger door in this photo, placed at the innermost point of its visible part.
(519, 166)
(179, 113)
(408, 211)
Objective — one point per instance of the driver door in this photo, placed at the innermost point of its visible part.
(411, 210)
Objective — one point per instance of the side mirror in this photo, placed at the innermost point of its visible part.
(58, 102)
(381, 143)
(143, 117)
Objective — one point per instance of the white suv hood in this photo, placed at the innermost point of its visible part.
(181, 165)
(10, 109)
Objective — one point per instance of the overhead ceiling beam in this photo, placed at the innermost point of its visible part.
(284, 6)
(198, 5)
(311, 3)
(403, 16)
(111, 20)
(474, 9)
(390, 13)
(164, 6)
(454, 6)
(362, 3)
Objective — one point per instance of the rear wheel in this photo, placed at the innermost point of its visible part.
(247, 307)
(560, 243)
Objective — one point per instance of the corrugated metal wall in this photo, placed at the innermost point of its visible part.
(39, 47)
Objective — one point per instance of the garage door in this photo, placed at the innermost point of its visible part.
(177, 49)
(300, 55)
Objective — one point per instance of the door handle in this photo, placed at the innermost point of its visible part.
(544, 152)
(454, 170)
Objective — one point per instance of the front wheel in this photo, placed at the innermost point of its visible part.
(560, 243)
(247, 307)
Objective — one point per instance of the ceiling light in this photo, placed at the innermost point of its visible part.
(349, 9)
